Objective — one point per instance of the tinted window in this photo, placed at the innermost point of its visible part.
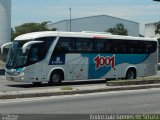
(103, 46)
(125, 46)
(114, 46)
(141, 47)
(64, 45)
(100, 46)
(84, 45)
(118, 46)
(38, 51)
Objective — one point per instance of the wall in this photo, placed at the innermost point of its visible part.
(150, 30)
(96, 23)
(5, 21)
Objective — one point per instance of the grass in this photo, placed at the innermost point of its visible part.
(66, 88)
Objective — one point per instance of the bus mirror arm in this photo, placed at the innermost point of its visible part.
(4, 45)
(24, 48)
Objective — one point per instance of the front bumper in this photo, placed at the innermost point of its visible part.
(20, 78)
(16, 75)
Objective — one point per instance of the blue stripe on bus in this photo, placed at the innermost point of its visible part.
(94, 73)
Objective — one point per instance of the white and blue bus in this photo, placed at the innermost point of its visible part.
(56, 56)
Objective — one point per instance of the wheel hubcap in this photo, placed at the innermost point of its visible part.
(55, 78)
(130, 75)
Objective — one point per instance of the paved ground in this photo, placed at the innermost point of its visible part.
(119, 102)
(7, 86)
(10, 90)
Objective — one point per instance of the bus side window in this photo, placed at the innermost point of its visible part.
(100, 46)
(64, 45)
(103, 46)
(108, 47)
(58, 48)
(149, 47)
(84, 45)
(132, 47)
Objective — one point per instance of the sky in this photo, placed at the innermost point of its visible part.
(141, 11)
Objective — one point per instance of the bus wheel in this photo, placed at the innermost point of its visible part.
(131, 74)
(56, 78)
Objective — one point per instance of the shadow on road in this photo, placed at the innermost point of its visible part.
(63, 84)
(2, 72)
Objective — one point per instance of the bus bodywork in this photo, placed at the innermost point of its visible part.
(56, 56)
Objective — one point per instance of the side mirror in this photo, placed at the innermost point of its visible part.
(24, 48)
(4, 45)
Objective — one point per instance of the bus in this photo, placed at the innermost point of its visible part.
(54, 56)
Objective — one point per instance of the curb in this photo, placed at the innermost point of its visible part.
(43, 93)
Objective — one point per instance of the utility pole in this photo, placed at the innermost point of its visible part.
(70, 10)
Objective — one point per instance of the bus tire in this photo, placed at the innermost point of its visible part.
(56, 78)
(131, 74)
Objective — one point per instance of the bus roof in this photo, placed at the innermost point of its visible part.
(34, 35)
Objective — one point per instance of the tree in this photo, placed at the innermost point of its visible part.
(29, 27)
(119, 29)
(157, 31)
(12, 34)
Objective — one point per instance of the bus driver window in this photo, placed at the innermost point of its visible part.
(34, 55)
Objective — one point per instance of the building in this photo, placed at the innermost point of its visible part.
(150, 30)
(5, 21)
(99, 23)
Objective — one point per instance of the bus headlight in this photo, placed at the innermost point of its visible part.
(20, 71)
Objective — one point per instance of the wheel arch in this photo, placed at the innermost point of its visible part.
(53, 70)
(131, 68)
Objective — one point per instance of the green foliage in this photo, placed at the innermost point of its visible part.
(157, 31)
(29, 27)
(67, 88)
(119, 29)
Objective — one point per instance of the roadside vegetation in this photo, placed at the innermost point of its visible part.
(29, 27)
(157, 30)
(67, 88)
(119, 29)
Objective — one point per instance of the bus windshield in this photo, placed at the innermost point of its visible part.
(36, 52)
(15, 57)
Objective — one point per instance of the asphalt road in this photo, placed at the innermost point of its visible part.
(119, 102)
(6, 86)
